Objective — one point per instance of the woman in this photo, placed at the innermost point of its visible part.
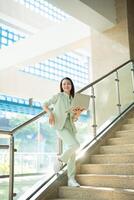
(63, 121)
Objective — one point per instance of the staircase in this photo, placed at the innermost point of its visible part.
(110, 174)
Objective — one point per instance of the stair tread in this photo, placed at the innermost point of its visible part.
(118, 145)
(65, 199)
(105, 175)
(120, 131)
(113, 154)
(128, 124)
(119, 190)
(120, 138)
(109, 164)
(107, 168)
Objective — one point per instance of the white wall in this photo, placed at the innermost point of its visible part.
(87, 14)
(24, 85)
(45, 44)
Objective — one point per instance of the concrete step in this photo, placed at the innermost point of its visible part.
(65, 199)
(127, 127)
(121, 140)
(130, 120)
(101, 180)
(112, 158)
(126, 133)
(95, 193)
(115, 169)
(126, 148)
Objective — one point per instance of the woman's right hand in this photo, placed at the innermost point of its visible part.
(51, 119)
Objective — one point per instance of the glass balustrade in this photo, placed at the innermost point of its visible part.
(84, 124)
(10, 120)
(37, 149)
(126, 86)
(37, 143)
(105, 101)
(4, 173)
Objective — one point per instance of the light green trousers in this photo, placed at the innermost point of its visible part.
(68, 137)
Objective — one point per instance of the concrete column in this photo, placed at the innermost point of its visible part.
(110, 48)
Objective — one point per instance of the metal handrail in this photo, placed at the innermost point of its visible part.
(10, 132)
(106, 75)
(5, 132)
(28, 122)
(79, 91)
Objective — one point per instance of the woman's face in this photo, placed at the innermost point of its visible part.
(66, 86)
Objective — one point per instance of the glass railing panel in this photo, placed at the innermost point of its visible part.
(105, 101)
(36, 143)
(36, 146)
(10, 120)
(125, 86)
(84, 123)
(4, 174)
(4, 139)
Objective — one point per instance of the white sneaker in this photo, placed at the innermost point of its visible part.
(73, 183)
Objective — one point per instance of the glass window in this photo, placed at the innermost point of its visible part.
(8, 98)
(32, 70)
(4, 33)
(57, 68)
(2, 97)
(49, 10)
(8, 35)
(21, 101)
(4, 40)
(14, 100)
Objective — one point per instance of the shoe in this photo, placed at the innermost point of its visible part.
(58, 164)
(73, 183)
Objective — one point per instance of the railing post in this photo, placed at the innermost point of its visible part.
(60, 146)
(94, 125)
(118, 92)
(11, 169)
(132, 70)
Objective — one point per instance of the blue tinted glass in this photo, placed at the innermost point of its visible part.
(8, 35)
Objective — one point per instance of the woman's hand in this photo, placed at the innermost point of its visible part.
(51, 115)
(77, 111)
(51, 119)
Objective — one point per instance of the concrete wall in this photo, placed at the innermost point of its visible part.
(110, 48)
(24, 85)
(99, 14)
(130, 17)
(104, 7)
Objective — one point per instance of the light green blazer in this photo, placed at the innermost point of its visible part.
(61, 104)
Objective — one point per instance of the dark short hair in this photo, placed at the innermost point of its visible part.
(72, 92)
